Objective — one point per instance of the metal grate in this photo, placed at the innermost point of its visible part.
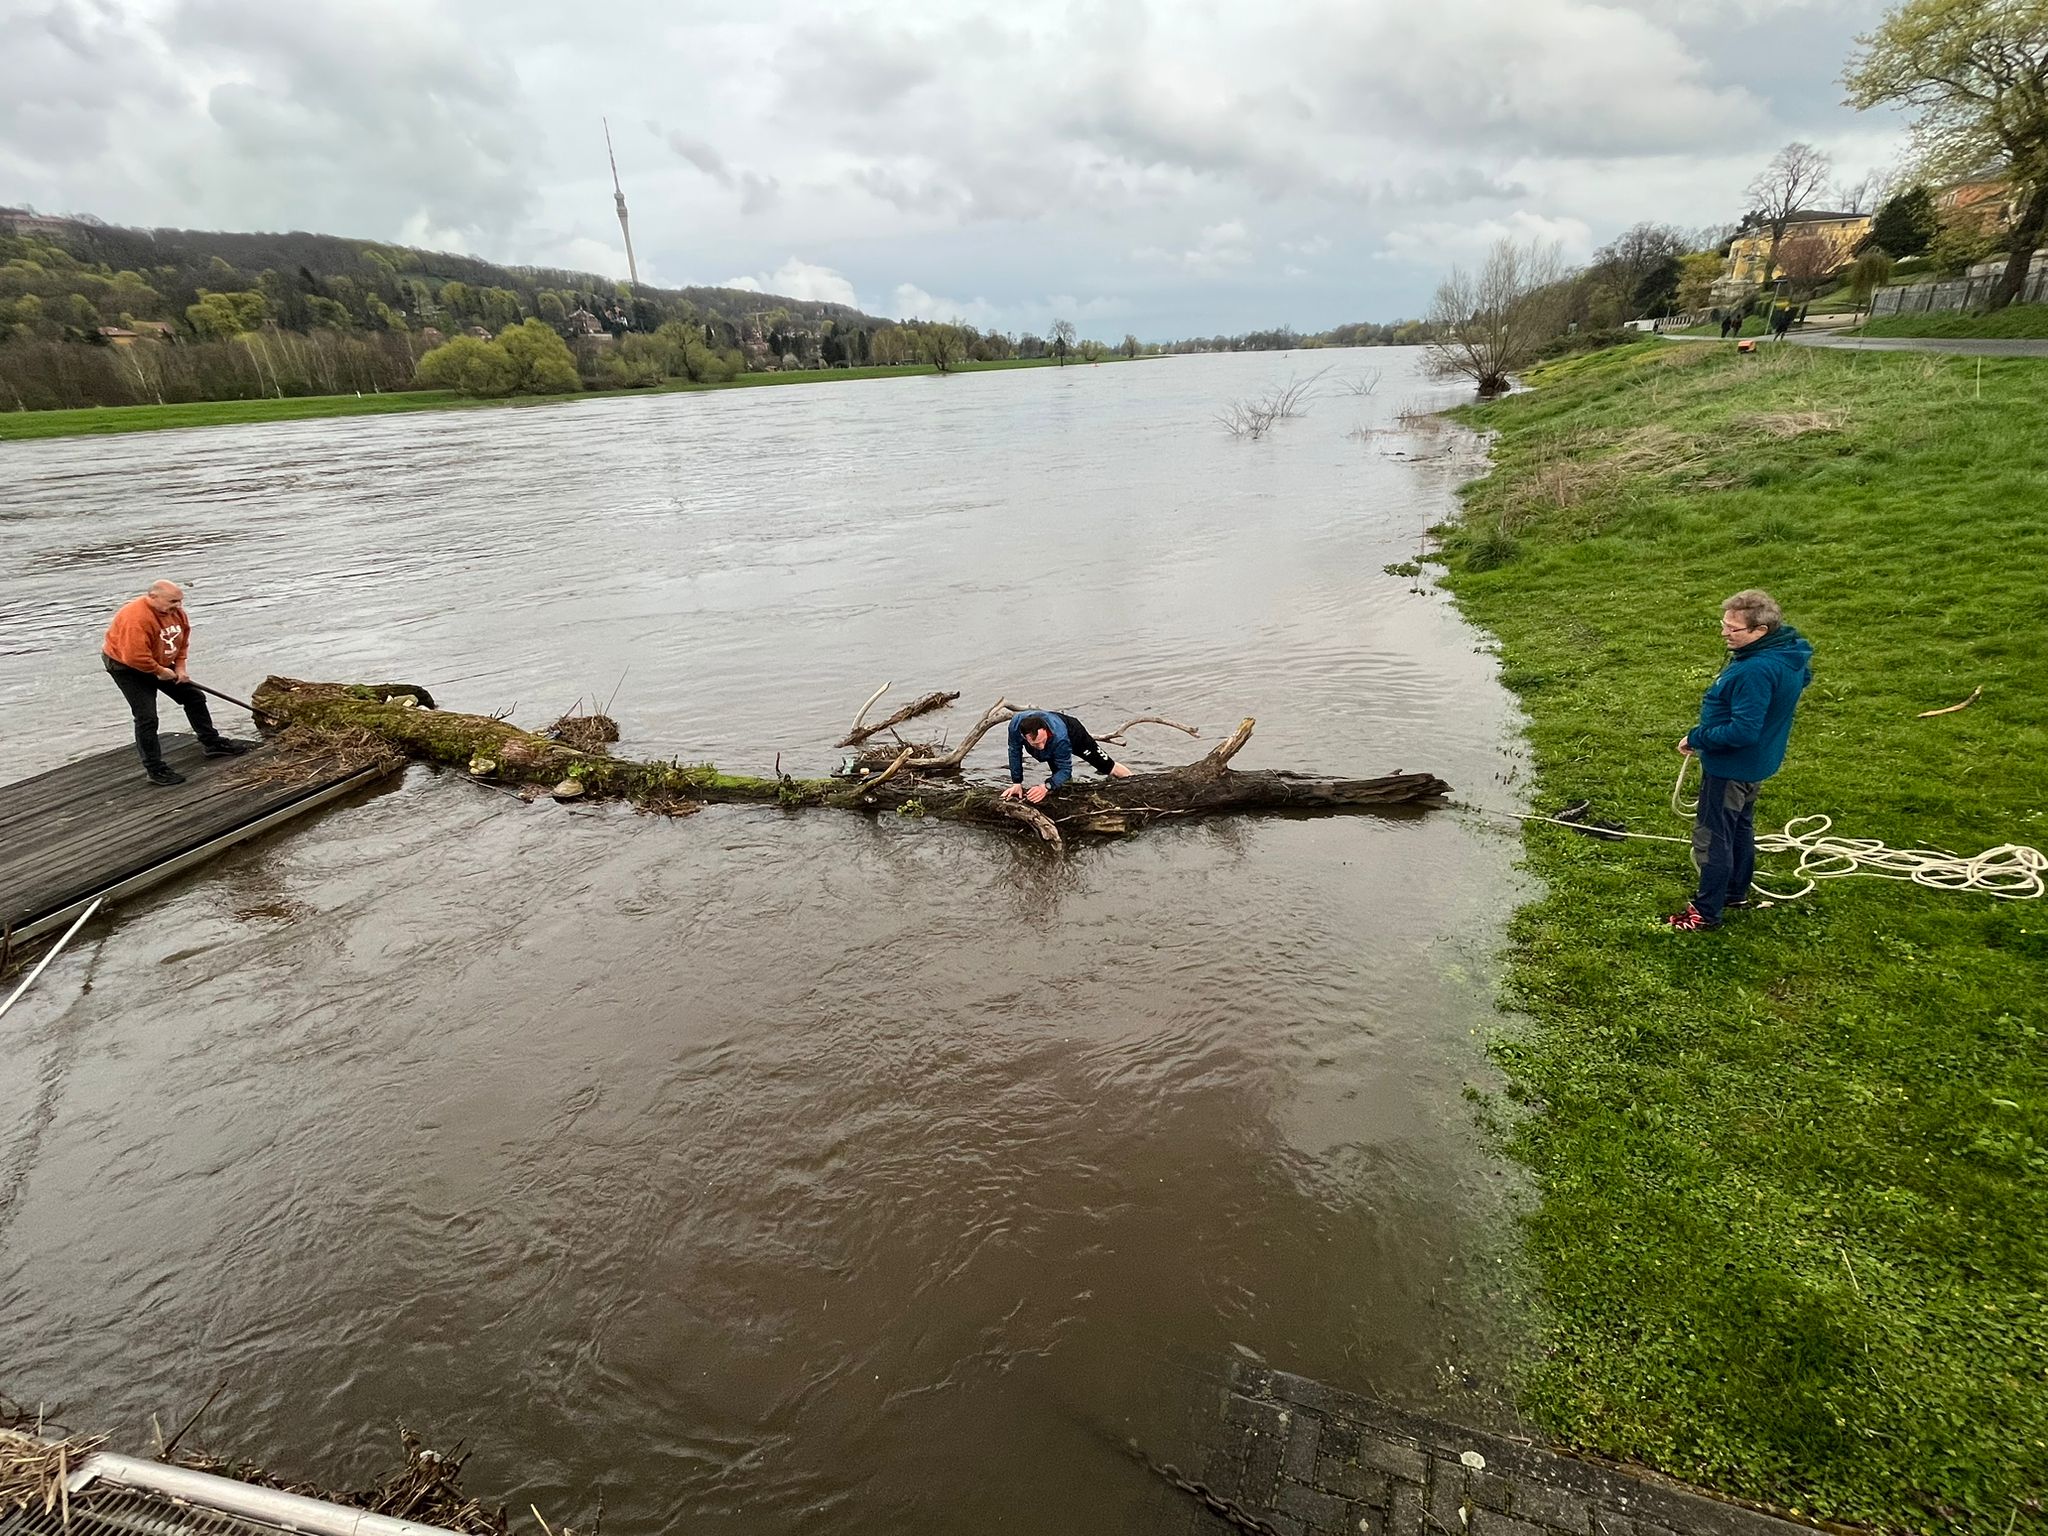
(126, 1512)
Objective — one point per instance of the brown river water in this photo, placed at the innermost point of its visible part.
(770, 1172)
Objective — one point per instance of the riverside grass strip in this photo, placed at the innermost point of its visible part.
(94, 421)
(1791, 1232)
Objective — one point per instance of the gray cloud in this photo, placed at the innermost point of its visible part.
(998, 150)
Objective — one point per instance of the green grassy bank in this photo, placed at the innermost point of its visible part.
(219, 413)
(2016, 321)
(1792, 1231)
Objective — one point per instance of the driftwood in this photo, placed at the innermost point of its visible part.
(922, 786)
(911, 711)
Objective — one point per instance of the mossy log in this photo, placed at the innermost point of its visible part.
(501, 751)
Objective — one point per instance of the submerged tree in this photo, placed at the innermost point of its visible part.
(1976, 73)
(1484, 325)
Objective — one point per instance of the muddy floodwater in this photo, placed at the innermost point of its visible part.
(769, 1172)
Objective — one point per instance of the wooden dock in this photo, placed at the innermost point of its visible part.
(97, 827)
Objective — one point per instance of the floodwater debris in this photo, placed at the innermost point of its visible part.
(1106, 807)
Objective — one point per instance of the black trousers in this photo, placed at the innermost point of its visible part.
(1086, 747)
(1724, 843)
(140, 690)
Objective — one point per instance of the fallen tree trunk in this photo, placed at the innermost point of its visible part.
(495, 749)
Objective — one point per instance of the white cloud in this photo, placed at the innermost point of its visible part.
(1218, 248)
(1438, 243)
(798, 279)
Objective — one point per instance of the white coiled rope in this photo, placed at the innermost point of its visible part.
(2010, 872)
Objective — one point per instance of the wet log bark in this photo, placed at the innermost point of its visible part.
(1105, 807)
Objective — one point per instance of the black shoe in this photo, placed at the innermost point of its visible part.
(225, 746)
(164, 773)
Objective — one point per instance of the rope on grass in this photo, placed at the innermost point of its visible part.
(2009, 872)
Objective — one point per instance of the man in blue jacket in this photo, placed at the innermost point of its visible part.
(1745, 721)
(1058, 740)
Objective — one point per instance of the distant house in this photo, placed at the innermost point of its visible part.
(480, 332)
(1749, 254)
(116, 335)
(154, 330)
(581, 322)
(1987, 200)
(431, 335)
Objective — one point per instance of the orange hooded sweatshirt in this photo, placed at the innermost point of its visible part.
(146, 640)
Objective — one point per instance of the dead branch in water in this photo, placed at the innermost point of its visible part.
(1117, 735)
(926, 785)
(924, 706)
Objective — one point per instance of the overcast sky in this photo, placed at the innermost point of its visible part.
(1169, 169)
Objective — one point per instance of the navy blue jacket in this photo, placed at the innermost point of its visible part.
(1746, 716)
(1059, 751)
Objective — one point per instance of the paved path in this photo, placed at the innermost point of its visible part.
(1307, 1460)
(1951, 346)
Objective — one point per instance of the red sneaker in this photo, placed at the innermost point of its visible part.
(1691, 920)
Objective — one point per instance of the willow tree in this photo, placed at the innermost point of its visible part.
(1486, 324)
(1975, 74)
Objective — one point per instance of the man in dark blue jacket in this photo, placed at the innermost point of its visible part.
(1745, 721)
(1058, 740)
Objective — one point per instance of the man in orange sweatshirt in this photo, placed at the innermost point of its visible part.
(144, 653)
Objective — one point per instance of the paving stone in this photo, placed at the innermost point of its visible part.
(1405, 1514)
(1396, 1458)
(1366, 1521)
(1487, 1491)
(1223, 1470)
(1300, 1461)
(1345, 1476)
(1323, 1512)
(1261, 1469)
(1553, 1507)
(1260, 1417)
(1486, 1522)
(1444, 1497)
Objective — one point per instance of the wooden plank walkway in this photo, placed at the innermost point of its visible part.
(97, 826)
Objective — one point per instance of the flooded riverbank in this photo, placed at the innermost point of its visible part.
(757, 1167)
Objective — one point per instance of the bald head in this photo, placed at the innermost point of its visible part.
(163, 596)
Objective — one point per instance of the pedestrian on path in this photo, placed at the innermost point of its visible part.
(144, 652)
(1745, 723)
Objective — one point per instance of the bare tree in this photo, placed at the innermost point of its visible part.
(1062, 340)
(1865, 196)
(1485, 325)
(1783, 188)
(1808, 261)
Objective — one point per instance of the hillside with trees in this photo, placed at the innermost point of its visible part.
(96, 314)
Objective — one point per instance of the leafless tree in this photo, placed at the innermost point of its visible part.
(1063, 334)
(1484, 325)
(1867, 195)
(1363, 382)
(1786, 186)
(1808, 261)
(1255, 415)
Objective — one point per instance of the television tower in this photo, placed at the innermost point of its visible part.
(619, 197)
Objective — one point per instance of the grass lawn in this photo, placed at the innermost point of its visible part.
(1792, 1233)
(219, 413)
(2022, 321)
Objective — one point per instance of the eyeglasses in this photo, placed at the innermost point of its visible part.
(1738, 629)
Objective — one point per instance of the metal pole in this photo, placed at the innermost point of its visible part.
(55, 950)
(272, 1506)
